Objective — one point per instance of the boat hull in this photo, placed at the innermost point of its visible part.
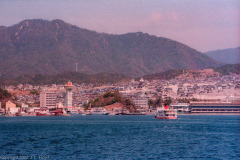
(44, 114)
(99, 113)
(172, 117)
(77, 114)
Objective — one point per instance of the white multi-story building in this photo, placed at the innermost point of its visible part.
(48, 98)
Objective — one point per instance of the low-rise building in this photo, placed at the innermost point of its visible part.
(11, 108)
(141, 103)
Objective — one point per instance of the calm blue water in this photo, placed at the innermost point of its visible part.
(120, 137)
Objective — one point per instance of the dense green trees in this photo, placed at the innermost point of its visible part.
(158, 102)
(4, 97)
(4, 94)
(229, 68)
(167, 101)
(108, 99)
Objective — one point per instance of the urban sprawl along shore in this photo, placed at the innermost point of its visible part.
(204, 95)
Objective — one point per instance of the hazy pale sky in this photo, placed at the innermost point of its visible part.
(201, 24)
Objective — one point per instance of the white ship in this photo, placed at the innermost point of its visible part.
(166, 113)
(99, 111)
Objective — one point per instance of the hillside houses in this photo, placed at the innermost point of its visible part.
(224, 88)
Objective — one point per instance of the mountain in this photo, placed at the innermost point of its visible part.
(227, 56)
(50, 47)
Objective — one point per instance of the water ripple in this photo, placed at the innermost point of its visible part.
(121, 137)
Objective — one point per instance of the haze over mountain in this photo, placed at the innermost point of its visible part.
(49, 47)
(227, 56)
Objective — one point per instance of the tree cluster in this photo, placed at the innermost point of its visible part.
(108, 99)
(159, 102)
(4, 94)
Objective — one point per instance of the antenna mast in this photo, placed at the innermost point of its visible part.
(76, 66)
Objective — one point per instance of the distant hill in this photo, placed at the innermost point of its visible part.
(50, 47)
(108, 100)
(75, 77)
(228, 69)
(104, 78)
(223, 70)
(227, 56)
(163, 75)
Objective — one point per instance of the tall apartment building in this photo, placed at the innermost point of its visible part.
(48, 98)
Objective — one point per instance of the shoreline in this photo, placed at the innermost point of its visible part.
(189, 114)
(196, 114)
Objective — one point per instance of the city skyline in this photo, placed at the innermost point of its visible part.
(202, 25)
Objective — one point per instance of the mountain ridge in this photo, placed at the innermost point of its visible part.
(226, 56)
(50, 47)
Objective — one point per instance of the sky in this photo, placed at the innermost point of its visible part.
(204, 25)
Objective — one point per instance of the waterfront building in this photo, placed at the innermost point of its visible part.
(23, 105)
(211, 107)
(11, 108)
(10, 104)
(141, 103)
(48, 98)
(69, 93)
(2, 110)
(181, 107)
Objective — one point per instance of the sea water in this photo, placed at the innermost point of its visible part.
(120, 137)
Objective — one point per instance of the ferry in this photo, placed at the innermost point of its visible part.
(99, 111)
(166, 113)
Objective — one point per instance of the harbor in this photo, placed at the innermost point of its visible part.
(181, 109)
(121, 137)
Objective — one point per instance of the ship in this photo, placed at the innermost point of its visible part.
(99, 111)
(166, 112)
